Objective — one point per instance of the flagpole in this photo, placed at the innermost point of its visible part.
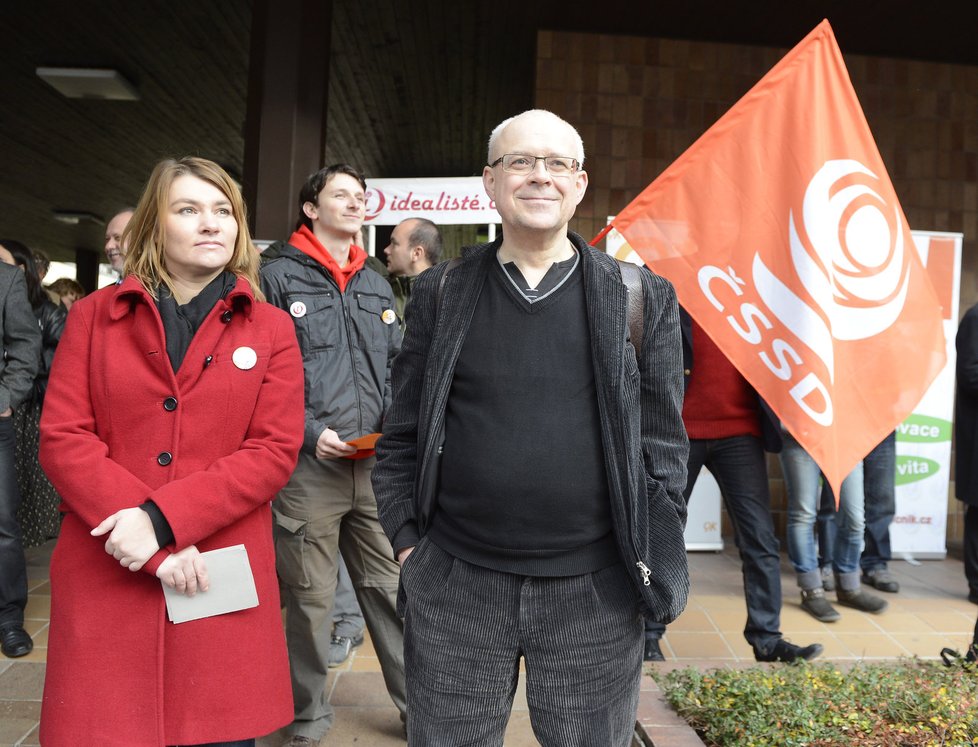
(604, 232)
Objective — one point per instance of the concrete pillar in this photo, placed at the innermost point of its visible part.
(86, 268)
(285, 128)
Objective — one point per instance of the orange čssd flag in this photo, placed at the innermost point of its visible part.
(784, 238)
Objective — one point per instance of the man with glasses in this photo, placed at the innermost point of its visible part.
(531, 470)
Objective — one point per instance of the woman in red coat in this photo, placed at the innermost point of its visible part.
(174, 413)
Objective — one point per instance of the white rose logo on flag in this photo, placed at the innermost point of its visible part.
(854, 264)
(801, 269)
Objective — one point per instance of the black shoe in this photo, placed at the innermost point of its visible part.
(861, 600)
(813, 601)
(880, 578)
(15, 642)
(952, 658)
(652, 650)
(788, 652)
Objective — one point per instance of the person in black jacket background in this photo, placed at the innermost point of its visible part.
(21, 342)
(729, 430)
(38, 515)
(966, 427)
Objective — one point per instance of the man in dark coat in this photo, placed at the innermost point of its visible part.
(531, 470)
(20, 356)
(966, 454)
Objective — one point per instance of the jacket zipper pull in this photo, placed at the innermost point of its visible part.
(644, 570)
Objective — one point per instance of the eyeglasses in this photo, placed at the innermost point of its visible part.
(519, 163)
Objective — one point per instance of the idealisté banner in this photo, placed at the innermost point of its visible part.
(444, 200)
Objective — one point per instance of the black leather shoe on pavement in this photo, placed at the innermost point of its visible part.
(788, 652)
(652, 650)
(14, 642)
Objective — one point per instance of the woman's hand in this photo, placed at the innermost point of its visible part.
(131, 539)
(184, 571)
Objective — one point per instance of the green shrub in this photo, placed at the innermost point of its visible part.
(910, 704)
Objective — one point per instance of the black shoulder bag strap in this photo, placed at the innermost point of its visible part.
(452, 263)
(631, 276)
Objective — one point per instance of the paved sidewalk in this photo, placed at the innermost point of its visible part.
(931, 611)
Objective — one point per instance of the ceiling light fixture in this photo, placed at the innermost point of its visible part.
(89, 83)
(74, 217)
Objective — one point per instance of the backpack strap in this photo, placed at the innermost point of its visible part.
(631, 276)
(452, 263)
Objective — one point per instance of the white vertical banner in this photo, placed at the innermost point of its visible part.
(923, 449)
(703, 517)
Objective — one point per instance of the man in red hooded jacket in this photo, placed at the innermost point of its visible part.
(347, 328)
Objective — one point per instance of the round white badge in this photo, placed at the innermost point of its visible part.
(244, 358)
(298, 309)
(388, 317)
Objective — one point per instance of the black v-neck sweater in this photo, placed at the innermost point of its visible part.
(523, 487)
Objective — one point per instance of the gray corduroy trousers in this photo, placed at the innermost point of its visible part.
(466, 628)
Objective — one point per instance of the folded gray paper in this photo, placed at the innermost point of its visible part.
(232, 587)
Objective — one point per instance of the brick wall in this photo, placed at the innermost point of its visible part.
(640, 102)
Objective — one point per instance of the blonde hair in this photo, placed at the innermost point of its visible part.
(146, 232)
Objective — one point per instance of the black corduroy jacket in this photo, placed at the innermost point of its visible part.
(639, 403)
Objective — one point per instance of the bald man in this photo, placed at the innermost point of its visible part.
(531, 470)
(115, 249)
(415, 246)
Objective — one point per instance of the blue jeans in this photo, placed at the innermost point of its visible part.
(13, 565)
(466, 628)
(801, 477)
(740, 470)
(879, 487)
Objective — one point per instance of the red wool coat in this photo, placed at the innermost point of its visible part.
(118, 672)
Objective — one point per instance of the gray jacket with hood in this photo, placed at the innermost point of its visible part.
(20, 354)
(347, 346)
